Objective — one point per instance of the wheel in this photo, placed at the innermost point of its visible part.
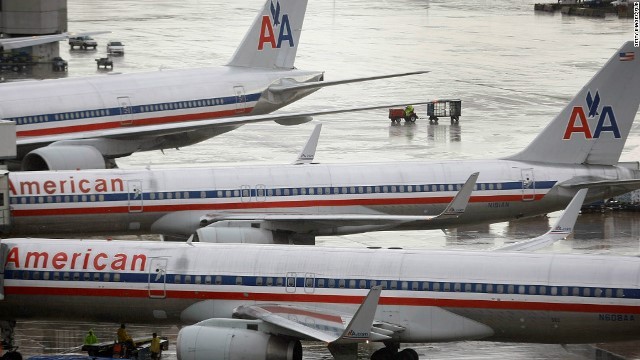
(384, 354)
(408, 354)
(413, 118)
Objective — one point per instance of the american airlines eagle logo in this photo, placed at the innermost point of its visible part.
(578, 121)
(275, 24)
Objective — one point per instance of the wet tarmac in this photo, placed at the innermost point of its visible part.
(514, 69)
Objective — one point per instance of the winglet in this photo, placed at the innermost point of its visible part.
(309, 150)
(459, 203)
(560, 230)
(359, 328)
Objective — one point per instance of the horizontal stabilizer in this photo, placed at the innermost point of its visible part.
(282, 88)
(560, 230)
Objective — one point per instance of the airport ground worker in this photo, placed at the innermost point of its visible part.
(155, 347)
(124, 338)
(91, 338)
(408, 111)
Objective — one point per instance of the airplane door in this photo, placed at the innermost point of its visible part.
(291, 282)
(241, 99)
(126, 112)
(158, 278)
(5, 216)
(528, 185)
(134, 194)
(261, 192)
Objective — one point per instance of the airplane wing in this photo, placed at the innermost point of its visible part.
(560, 230)
(293, 222)
(603, 185)
(174, 128)
(309, 150)
(20, 42)
(321, 324)
(295, 86)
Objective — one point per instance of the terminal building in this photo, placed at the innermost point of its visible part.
(19, 18)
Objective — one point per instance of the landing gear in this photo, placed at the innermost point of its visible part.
(390, 352)
(7, 329)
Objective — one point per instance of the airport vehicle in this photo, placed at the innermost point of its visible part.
(59, 64)
(444, 108)
(115, 47)
(295, 203)
(85, 123)
(84, 42)
(244, 301)
(104, 62)
(398, 114)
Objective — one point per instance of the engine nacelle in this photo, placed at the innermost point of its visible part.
(198, 342)
(234, 234)
(63, 157)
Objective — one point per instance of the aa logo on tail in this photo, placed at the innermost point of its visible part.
(578, 120)
(271, 25)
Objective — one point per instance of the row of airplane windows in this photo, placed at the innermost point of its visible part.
(309, 283)
(181, 105)
(35, 119)
(258, 193)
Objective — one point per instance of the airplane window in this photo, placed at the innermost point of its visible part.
(532, 290)
(490, 186)
(352, 284)
(76, 276)
(187, 279)
(75, 198)
(116, 277)
(32, 200)
(49, 199)
(597, 292)
(586, 292)
(106, 277)
(478, 288)
(405, 285)
(221, 101)
(554, 290)
(457, 287)
(291, 282)
(198, 279)
(269, 281)
(308, 282)
(295, 192)
(152, 196)
(238, 280)
(92, 198)
(218, 280)
(83, 198)
(482, 187)
(203, 194)
(191, 104)
(467, 288)
(543, 290)
(279, 281)
(393, 285)
(363, 284)
(286, 192)
(393, 189)
(499, 186)
(36, 276)
(45, 275)
(320, 191)
(199, 103)
(500, 289)
(489, 288)
(327, 190)
(425, 286)
(177, 279)
(341, 283)
(56, 276)
(177, 196)
(25, 275)
(101, 197)
(185, 195)
(385, 189)
(320, 283)
(65, 276)
(575, 291)
(332, 283)
(619, 293)
(450, 187)
(169, 196)
(56, 117)
(369, 189)
(23, 200)
(207, 279)
(609, 293)
(96, 276)
(564, 291)
(311, 191)
(447, 287)
(278, 192)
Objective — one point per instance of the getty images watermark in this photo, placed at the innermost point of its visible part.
(636, 25)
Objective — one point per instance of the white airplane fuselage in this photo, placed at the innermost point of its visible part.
(433, 295)
(173, 201)
(82, 107)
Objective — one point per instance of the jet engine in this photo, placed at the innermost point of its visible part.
(63, 157)
(198, 342)
(234, 234)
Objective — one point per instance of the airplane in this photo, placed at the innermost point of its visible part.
(256, 301)
(87, 122)
(296, 203)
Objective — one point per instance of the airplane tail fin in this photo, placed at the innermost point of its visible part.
(594, 126)
(272, 40)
